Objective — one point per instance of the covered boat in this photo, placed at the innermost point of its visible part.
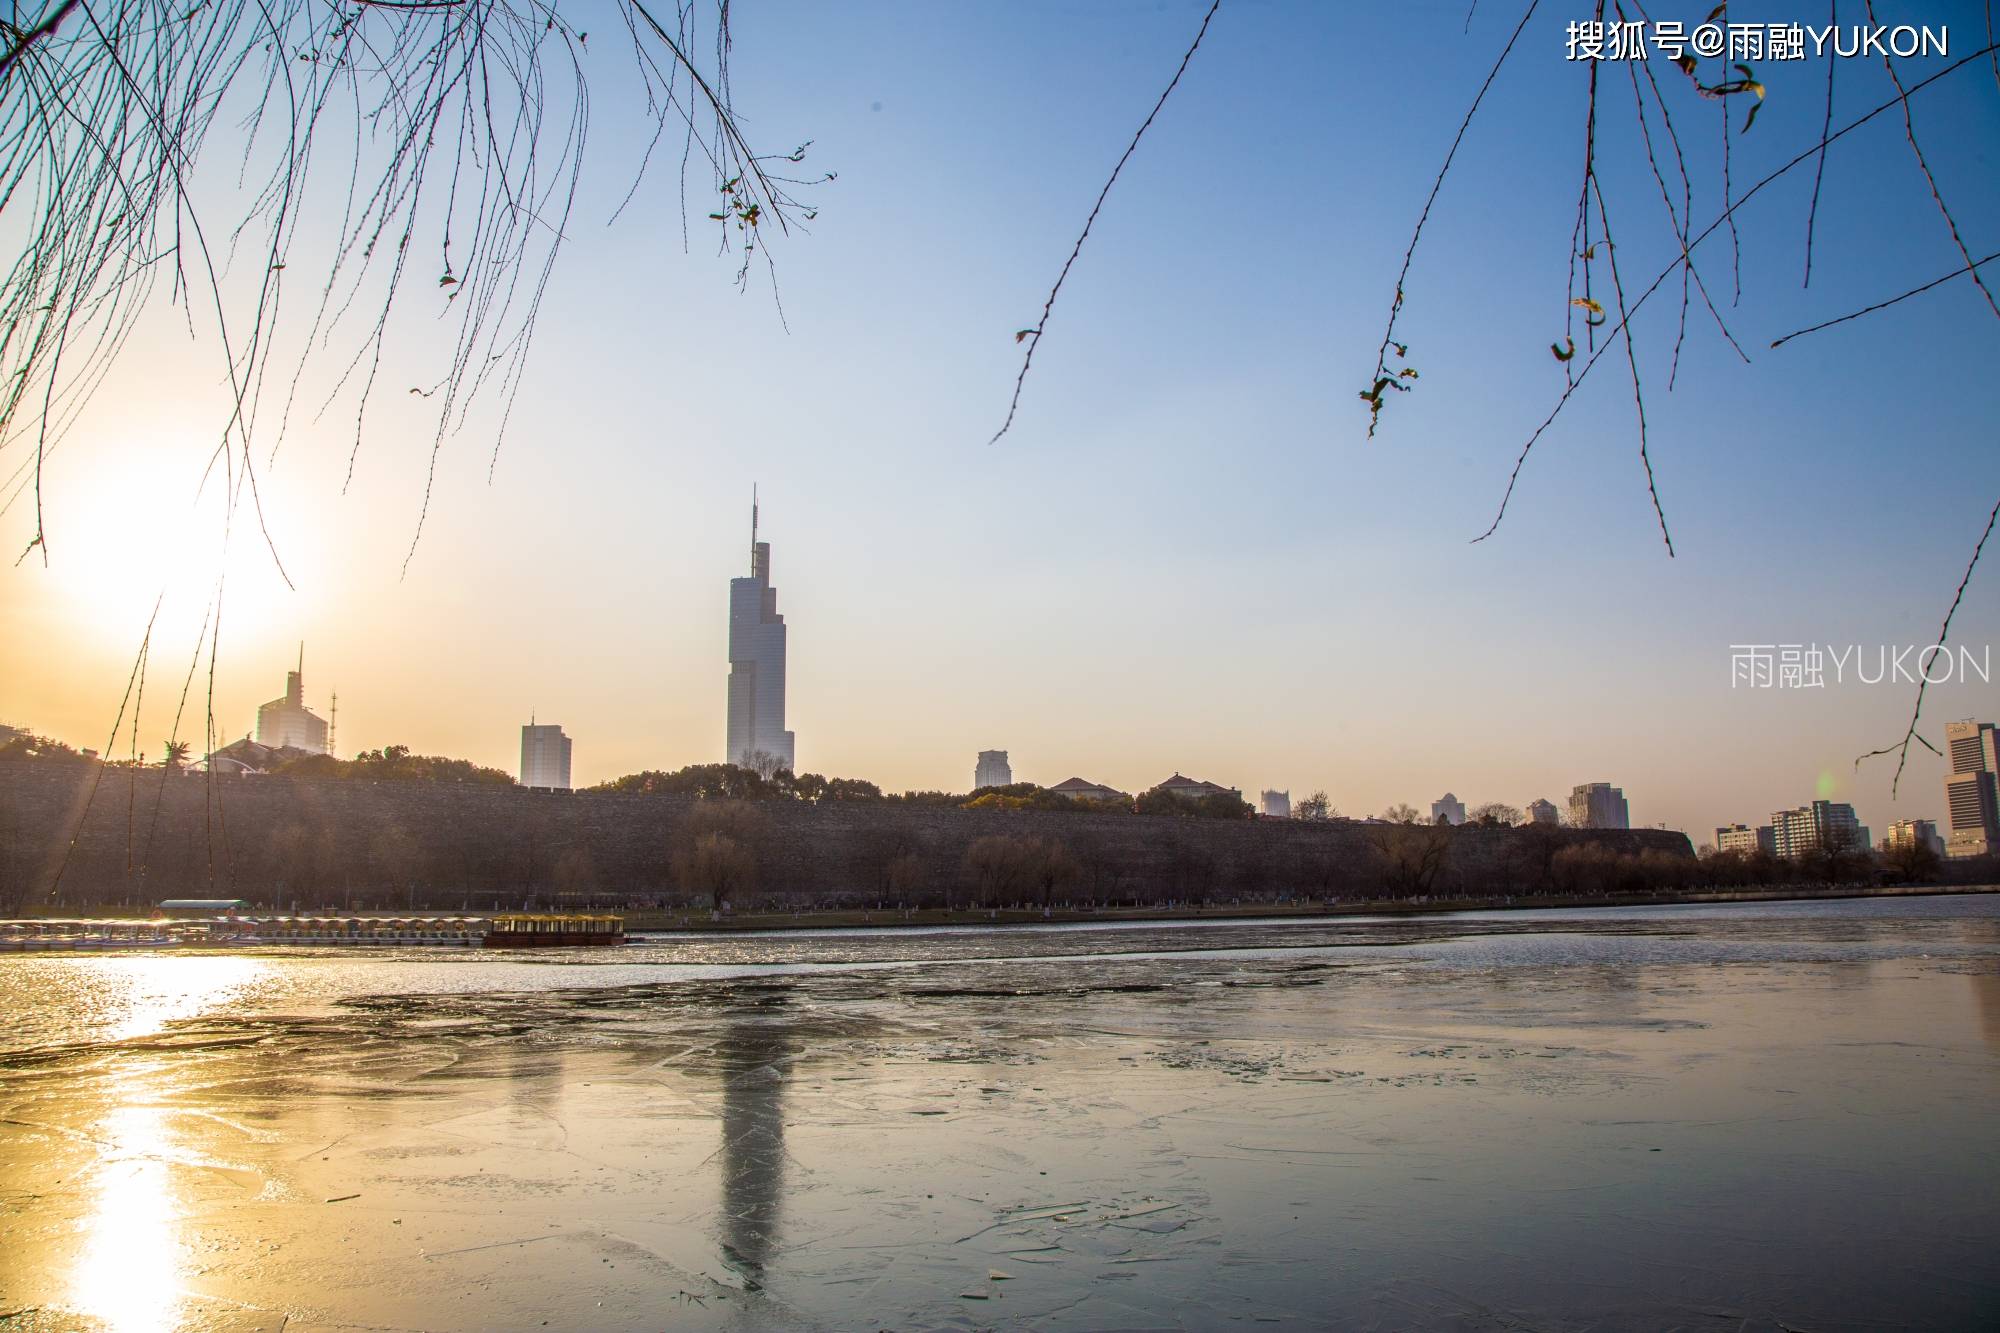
(535, 930)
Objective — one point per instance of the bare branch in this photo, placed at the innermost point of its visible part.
(1902, 750)
(1884, 305)
(1033, 337)
(1382, 378)
(1569, 391)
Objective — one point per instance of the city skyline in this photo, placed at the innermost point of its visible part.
(1183, 503)
(1971, 750)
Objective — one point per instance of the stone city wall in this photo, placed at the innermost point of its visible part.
(119, 837)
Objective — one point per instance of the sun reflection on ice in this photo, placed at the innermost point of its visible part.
(153, 992)
(128, 1275)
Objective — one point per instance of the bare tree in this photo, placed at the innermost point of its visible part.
(715, 853)
(763, 763)
(574, 874)
(1411, 855)
(1001, 868)
(443, 139)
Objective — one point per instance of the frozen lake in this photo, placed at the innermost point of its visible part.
(1779, 1115)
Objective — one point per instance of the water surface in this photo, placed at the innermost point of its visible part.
(1778, 1115)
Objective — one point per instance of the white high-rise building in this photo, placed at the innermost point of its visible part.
(992, 770)
(287, 724)
(757, 732)
(1447, 809)
(544, 756)
(1277, 804)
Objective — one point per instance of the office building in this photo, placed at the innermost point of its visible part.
(1820, 826)
(287, 724)
(1972, 804)
(992, 770)
(1913, 833)
(544, 756)
(1543, 812)
(1747, 840)
(1447, 809)
(757, 735)
(1275, 804)
(1598, 805)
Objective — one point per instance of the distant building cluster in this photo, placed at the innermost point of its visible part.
(1970, 806)
(1818, 826)
(758, 738)
(1913, 833)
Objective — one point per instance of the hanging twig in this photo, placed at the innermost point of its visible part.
(1884, 305)
(1826, 123)
(1382, 379)
(1569, 391)
(1902, 751)
(1033, 337)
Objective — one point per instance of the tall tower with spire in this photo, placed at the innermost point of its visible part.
(757, 734)
(287, 724)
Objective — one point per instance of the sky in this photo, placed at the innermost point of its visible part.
(1186, 555)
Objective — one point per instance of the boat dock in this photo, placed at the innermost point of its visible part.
(232, 931)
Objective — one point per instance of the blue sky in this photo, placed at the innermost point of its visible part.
(1186, 555)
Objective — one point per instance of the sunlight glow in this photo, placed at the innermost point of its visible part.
(153, 992)
(128, 1275)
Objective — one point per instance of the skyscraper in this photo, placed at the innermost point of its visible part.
(1971, 800)
(287, 723)
(544, 756)
(992, 770)
(1598, 805)
(757, 664)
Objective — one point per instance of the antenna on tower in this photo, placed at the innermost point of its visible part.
(753, 529)
(332, 723)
